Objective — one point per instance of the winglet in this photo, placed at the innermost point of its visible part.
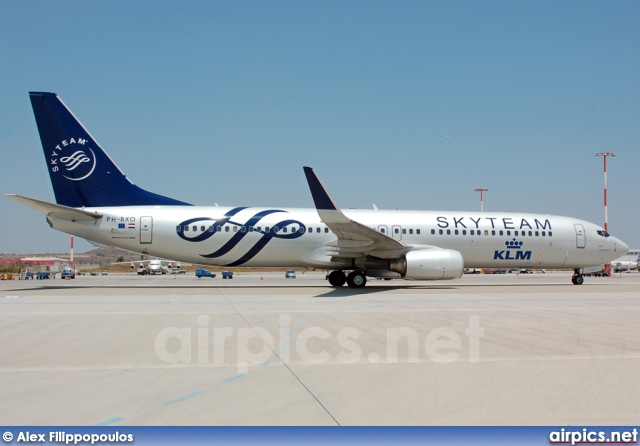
(354, 239)
(321, 197)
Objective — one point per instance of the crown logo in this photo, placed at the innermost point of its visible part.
(513, 244)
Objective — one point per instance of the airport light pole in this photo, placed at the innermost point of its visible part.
(481, 190)
(604, 155)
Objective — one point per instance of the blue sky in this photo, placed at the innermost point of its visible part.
(408, 104)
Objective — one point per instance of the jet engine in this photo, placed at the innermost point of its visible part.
(429, 264)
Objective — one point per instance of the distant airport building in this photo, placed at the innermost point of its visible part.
(53, 264)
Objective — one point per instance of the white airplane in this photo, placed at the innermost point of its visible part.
(154, 266)
(627, 262)
(96, 201)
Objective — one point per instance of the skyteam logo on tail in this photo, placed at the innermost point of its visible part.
(73, 159)
(513, 252)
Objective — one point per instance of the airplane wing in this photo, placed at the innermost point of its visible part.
(354, 239)
(55, 210)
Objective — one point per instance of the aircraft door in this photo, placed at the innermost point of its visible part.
(581, 240)
(146, 225)
(396, 232)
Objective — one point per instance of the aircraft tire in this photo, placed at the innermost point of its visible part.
(356, 279)
(337, 278)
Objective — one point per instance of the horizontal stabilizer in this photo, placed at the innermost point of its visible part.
(55, 210)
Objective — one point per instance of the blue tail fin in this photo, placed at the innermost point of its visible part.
(82, 174)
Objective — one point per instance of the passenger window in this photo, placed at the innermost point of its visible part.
(195, 228)
(211, 228)
(493, 232)
(544, 234)
(235, 229)
(219, 228)
(259, 228)
(440, 231)
(464, 232)
(318, 230)
(417, 231)
(284, 229)
(266, 229)
(537, 233)
(501, 233)
(243, 229)
(515, 233)
(472, 232)
(404, 231)
(326, 230)
(456, 232)
(250, 228)
(226, 229)
(508, 232)
(433, 231)
(301, 230)
(382, 230)
(178, 228)
(309, 229)
(396, 230)
(448, 231)
(410, 231)
(530, 233)
(202, 228)
(550, 234)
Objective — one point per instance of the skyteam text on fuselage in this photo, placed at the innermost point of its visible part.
(96, 201)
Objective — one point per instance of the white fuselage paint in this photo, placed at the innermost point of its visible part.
(557, 248)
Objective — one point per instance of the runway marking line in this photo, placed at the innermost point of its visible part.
(111, 421)
(184, 397)
(233, 378)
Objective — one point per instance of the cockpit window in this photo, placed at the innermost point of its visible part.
(603, 234)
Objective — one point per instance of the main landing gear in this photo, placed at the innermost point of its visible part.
(355, 279)
(577, 279)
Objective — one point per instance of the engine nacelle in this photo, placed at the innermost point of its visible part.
(429, 264)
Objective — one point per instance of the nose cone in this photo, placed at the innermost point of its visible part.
(618, 247)
(621, 246)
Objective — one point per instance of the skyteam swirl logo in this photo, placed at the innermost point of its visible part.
(78, 165)
(247, 229)
(73, 161)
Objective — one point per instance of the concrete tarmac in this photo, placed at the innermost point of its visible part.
(264, 350)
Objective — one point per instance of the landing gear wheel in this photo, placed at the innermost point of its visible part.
(356, 279)
(337, 278)
(577, 280)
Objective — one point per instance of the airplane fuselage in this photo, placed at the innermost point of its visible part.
(268, 237)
